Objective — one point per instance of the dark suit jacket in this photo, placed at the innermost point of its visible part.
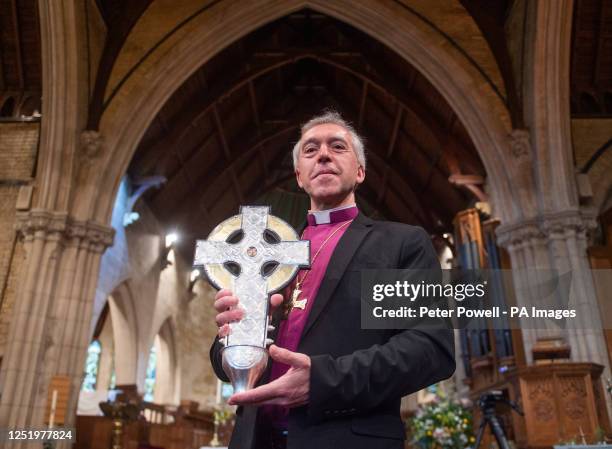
(358, 377)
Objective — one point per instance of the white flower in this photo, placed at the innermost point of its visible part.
(440, 433)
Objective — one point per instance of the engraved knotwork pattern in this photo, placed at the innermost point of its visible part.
(251, 253)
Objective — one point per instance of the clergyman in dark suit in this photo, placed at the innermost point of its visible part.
(332, 384)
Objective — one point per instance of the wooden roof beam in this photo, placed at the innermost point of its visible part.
(179, 127)
(18, 49)
(253, 99)
(434, 169)
(252, 190)
(604, 16)
(227, 152)
(203, 187)
(255, 109)
(202, 105)
(2, 76)
(389, 152)
(362, 103)
(409, 197)
(420, 111)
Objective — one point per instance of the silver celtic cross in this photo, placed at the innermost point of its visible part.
(245, 346)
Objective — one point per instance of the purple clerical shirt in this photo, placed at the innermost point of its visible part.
(321, 225)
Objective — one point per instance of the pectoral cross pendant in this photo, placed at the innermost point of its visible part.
(295, 302)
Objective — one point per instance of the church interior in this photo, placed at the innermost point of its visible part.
(130, 129)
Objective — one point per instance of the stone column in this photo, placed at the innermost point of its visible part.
(526, 246)
(567, 234)
(558, 241)
(50, 326)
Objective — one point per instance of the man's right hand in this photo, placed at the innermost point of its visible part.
(228, 310)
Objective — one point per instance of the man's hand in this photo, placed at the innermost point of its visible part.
(226, 305)
(289, 390)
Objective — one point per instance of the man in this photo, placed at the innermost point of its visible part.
(332, 384)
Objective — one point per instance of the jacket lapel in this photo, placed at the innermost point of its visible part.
(343, 253)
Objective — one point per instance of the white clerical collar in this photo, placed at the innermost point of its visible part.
(323, 216)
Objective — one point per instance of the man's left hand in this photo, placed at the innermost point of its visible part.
(289, 390)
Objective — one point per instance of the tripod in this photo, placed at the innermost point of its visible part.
(487, 402)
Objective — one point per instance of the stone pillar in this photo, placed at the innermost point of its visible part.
(525, 245)
(567, 234)
(50, 327)
(558, 241)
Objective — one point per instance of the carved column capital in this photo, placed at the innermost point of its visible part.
(547, 226)
(40, 222)
(52, 225)
(520, 233)
(98, 236)
(578, 222)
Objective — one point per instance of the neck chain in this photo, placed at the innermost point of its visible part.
(301, 303)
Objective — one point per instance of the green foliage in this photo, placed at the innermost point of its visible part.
(442, 424)
(221, 416)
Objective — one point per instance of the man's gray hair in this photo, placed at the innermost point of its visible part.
(333, 117)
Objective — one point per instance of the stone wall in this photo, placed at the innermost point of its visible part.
(153, 301)
(196, 331)
(18, 148)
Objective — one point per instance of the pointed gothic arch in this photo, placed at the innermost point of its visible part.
(482, 112)
(167, 381)
(125, 330)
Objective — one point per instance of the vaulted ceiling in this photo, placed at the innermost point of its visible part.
(20, 64)
(591, 64)
(225, 136)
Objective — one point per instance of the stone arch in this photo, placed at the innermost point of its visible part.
(125, 330)
(483, 114)
(548, 106)
(167, 385)
(29, 105)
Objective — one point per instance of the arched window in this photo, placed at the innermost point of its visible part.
(30, 106)
(150, 378)
(7, 107)
(92, 364)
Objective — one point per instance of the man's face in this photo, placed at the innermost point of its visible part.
(327, 167)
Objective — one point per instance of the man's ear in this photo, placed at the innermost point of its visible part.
(297, 178)
(360, 174)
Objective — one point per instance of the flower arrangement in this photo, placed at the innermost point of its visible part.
(443, 424)
(221, 416)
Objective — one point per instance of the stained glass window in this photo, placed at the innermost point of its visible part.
(92, 364)
(150, 378)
